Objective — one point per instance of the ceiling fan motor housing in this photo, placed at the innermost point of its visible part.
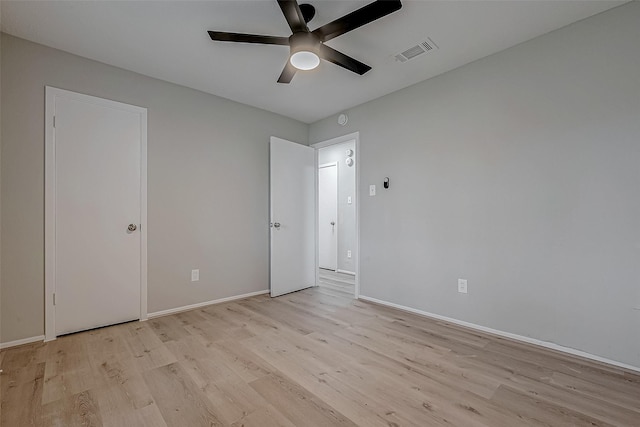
(303, 41)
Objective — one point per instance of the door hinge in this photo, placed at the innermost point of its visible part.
(54, 121)
(54, 299)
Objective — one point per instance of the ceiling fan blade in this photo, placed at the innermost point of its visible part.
(288, 73)
(343, 60)
(358, 18)
(247, 38)
(293, 15)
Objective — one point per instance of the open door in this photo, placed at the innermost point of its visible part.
(328, 216)
(293, 210)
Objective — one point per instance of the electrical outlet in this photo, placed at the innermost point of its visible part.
(195, 275)
(462, 286)
(348, 254)
(372, 190)
(349, 200)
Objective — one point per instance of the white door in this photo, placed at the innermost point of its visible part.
(328, 216)
(293, 213)
(97, 211)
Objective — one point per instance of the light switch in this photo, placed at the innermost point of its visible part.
(462, 286)
(372, 190)
(195, 275)
(349, 200)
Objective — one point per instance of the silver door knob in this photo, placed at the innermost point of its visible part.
(276, 225)
(131, 228)
(332, 223)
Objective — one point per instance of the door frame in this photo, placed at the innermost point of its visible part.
(328, 165)
(51, 93)
(338, 140)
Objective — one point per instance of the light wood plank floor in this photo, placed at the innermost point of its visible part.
(311, 358)
(339, 282)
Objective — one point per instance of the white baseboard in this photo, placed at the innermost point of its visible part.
(203, 304)
(499, 333)
(353, 273)
(21, 342)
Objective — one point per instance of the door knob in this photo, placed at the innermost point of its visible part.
(332, 223)
(276, 225)
(131, 228)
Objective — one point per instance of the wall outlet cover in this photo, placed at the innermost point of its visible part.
(348, 254)
(195, 275)
(372, 190)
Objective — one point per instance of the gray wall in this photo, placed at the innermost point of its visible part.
(346, 212)
(207, 183)
(521, 173)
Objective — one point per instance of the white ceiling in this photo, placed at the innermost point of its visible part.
(168, 40)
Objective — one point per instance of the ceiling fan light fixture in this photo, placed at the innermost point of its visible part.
(305, 48)
(305, 60)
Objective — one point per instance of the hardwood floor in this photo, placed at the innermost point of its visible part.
(311, 358)
(340, 282)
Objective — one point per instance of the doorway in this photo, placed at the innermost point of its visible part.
(95, 213)
(337, 216)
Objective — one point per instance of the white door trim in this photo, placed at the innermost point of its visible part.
(338, 140)
(50, 200)
(327, 165)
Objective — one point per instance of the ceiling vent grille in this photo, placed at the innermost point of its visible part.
(423, 47)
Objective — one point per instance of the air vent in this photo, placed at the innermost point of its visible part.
(423, 47)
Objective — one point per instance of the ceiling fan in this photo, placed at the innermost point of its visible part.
(307, 47)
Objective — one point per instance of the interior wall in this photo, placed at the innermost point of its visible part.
(346, 211)
(208, 162)
(519, 172)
